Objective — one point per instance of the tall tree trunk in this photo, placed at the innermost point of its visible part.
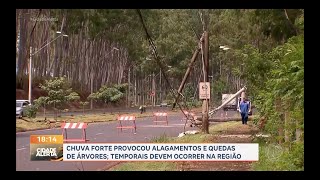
(281, 123)
(22, 56)
(287, 126)
(55, 64)
(135, 88)
(298, 130)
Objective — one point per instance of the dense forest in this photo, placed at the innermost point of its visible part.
(263, 50)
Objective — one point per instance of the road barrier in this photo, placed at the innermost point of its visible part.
(160, 114)
(127, 122)
(82, 126)
(190, 116)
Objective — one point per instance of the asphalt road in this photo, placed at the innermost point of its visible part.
(99, 132)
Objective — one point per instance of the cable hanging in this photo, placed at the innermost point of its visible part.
(154, 52)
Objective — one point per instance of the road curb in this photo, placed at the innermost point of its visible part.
(27, 130)
(37, 129)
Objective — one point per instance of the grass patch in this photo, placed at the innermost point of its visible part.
(231, 126)
(226, 126)
(277, 158)
(40, 122)
(161, 139)
(145, 166)
(196, 138)
(161, 166)
(22, 125)
(171, 166)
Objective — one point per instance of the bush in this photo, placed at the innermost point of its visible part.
(295, 157)
(277, 158)
(162, 139)
(31, 111)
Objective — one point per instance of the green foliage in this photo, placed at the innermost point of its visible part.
(109, 94)
(190, 97)
(275, 23)
(84, 103)
(188, 91)
(161, 139)
(59, 91)
(277, 80)
(276, 158)
(31, 111)
(218, 87)
(121, 87)
(73, 96)
(41, 101)
(169, 98)
(277, 76)
(299, 22)
(194, 103)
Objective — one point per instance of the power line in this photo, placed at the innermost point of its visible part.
(154, 52)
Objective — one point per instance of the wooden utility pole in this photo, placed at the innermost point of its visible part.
(205, 105)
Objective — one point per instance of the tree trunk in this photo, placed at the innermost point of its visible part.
(281, 122)
(44, 111)
(287, 126)
(22, 56)
(298, 131)
(91, 91)
(135, 88)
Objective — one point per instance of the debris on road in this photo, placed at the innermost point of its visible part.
(188, 132)
(235, 135)
(263, 135)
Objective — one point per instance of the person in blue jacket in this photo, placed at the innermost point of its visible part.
(244, 110)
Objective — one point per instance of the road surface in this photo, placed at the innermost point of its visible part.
(99, 132)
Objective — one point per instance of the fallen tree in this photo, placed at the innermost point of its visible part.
(197, 120)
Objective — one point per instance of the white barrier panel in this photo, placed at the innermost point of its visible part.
(161, 152)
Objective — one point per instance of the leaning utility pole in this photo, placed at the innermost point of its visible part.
(205, 105)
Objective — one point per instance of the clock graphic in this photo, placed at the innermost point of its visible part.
(46, 147)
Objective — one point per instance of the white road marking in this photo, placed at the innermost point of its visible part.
(156, 126)
(21, 149)
(98, 134)
(36, 131)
